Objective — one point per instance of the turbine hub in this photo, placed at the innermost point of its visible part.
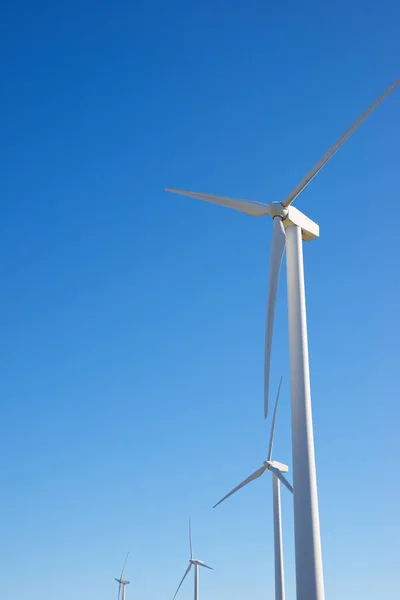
(278, 210)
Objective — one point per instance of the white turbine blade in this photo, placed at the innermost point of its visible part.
(271, 439)
(182, 580)
(333, 149)
(249, 207)
(123, 568)
(278, 244)
(255, 475)
(206, 566)
(190, 541)
(281, 478)
(119, 590)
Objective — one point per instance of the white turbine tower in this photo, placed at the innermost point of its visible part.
(290, 226)
(193, 562)
(122, 582)
(276, 469)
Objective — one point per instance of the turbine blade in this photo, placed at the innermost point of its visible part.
(119, 590)
(333, 149)
(278, 244)
(281, 477)
(123, 568)
(271, 439)
(255, 475)
(249, 207)
(190, 541)
(206, 566)
(182, 580)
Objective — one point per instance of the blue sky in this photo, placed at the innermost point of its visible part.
(132, 321)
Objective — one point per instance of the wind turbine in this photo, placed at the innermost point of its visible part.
(276, 469)
(290, 227)
(122, 582)
(193, 562)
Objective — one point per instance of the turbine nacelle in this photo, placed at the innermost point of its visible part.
(292, 216)
(199, 563)
(276, 465)
(309, 229)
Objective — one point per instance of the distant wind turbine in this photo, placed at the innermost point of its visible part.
(290, 228)
(193, 562)
(122, 582)
(276, 469)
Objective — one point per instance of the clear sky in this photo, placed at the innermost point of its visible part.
(132, 321)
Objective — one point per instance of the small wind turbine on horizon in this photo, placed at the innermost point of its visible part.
(122, 582)
(193, 562)
(277, 469)
(290, 228)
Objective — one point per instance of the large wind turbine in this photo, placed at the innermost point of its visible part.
(290, 227)
(276, 469)
(122, 582)
(193, 562)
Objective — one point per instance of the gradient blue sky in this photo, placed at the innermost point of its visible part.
(132, 321)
